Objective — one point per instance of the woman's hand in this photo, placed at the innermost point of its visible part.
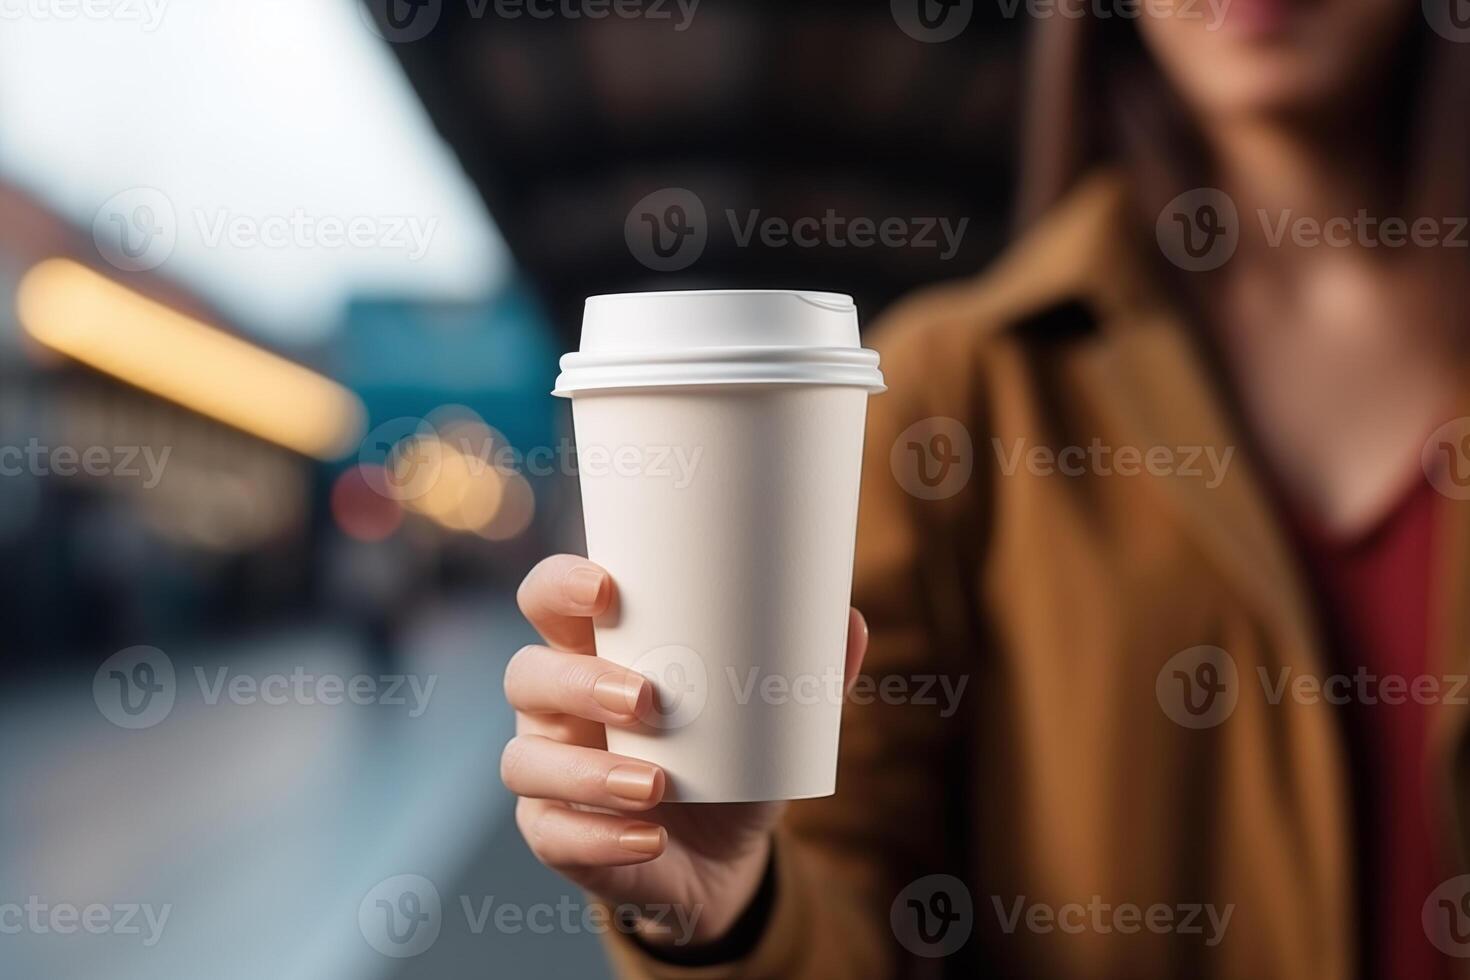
(597, 818)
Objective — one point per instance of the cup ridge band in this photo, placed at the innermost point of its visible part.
(586, 371)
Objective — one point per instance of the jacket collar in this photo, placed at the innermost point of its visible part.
(1154, 377)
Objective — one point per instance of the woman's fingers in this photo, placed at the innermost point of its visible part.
(857, 646)
(560, 596)
(556, 765)
(561, 837)
(546, 769)
(564, 694)
(563, 728)
(545, 681)
(569, 697)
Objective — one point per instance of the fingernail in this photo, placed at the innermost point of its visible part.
(618, 693)
(584, 584)
(647, 839)
(631, 782)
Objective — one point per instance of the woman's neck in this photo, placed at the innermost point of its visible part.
(1283, 179)
(1342, 358)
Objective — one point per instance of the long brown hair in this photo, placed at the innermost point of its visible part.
(1096, 97)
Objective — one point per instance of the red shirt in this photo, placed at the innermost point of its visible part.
(1373, 593)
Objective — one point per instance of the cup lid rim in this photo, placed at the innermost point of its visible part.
(834, 301)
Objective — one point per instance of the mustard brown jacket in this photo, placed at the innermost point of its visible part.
(1120, 790)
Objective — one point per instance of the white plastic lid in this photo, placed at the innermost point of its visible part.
(718, 336)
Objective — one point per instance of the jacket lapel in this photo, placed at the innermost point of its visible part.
(1165, 394)
(1155, 378)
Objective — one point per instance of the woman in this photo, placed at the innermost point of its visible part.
(1196, 548)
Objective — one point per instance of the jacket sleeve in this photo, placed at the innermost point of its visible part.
(840, 862)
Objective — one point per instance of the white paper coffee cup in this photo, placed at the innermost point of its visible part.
(719, 443)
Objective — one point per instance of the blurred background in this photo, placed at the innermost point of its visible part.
(282, 290)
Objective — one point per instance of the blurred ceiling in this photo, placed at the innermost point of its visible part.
(787, 110)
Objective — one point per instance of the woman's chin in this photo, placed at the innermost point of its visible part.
(1273, 88)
